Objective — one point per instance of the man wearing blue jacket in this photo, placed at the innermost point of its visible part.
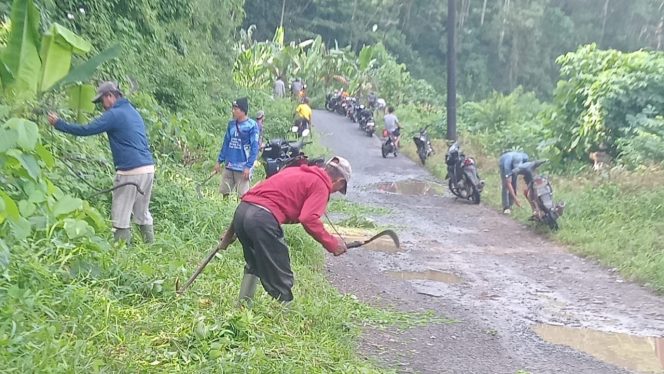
(508, 162)
(239, 150)
(131, 156)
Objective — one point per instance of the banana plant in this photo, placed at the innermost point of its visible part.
(30, 66)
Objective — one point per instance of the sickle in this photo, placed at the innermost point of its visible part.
(390, 233)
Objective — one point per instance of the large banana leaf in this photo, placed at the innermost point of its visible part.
(5, 75)
(366, 55)
(279, 36)
(58, 44)
(21, 57)
(80, 99)
(85, 71)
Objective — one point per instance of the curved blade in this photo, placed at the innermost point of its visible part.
(390, 233)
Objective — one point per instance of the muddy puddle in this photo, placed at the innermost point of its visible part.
(432, 275)
(634, 353)
(409, 187)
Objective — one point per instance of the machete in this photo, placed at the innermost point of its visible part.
(226, 240)
(390, 233)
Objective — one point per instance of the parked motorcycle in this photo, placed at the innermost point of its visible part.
(367, 123)
(353, 109)
(342, 108)
(540, 193)
(363, 117)
(278, 153)
(462, 172)
(390, 145)
(332, 101)
(424, 149)
(370, 127)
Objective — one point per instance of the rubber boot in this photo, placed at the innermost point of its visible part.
(122, 234)
(248, 289)
(147, 232)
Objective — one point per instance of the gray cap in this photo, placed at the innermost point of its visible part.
(105, 88)
(260, 114)
(344, 168)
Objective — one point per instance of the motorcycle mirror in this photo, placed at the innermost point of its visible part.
(294, 129)
(305, 132)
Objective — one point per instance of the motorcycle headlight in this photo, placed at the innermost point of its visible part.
(305, 132)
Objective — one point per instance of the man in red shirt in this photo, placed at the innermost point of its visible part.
(293, 195)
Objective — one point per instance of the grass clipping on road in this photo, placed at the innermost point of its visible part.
(116, 310)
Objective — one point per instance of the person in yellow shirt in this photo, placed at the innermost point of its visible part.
(303, 113)
(304, 110)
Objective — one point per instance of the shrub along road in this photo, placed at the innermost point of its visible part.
(521, 302)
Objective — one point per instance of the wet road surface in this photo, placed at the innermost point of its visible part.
(521, 302)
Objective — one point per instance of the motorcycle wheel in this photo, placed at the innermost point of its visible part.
(453, 189)
(550, 221)
(423, 156)
(382, 150)
(475, 197)
(329, 107)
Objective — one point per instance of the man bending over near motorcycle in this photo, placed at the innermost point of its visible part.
(508, 162)
(392, 125)
(526, 170)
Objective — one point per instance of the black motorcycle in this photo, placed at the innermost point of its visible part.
(462, 172)
(332, 101)
(364, 116)
(390, 145)
(280, 153)
(424, 149)
(354, 109)
(347, 106)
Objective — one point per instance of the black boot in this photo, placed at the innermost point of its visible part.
(147, 232)
(248, 289)
(122, 234)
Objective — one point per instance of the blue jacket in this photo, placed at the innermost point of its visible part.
(126, 135)
(240, 149)
(510, 160)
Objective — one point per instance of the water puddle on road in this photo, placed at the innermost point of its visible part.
(410, 187)
(432, 275)
(635, 353)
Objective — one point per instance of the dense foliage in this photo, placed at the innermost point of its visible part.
(501, 43)
(70, 301)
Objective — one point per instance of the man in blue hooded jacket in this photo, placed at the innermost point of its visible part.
(508, 162)
(131, 155)
(239, 150)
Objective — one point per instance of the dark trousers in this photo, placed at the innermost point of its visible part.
(265, 251)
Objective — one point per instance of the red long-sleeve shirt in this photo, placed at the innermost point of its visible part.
(297, 195)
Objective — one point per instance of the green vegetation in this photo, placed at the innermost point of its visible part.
(72, 302)
(500, 44)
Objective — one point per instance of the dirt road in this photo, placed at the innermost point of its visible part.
(521, 302)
